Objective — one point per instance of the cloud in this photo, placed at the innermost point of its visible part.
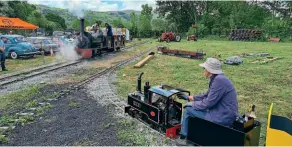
(95, 5)
(76, 6)
(137, 4)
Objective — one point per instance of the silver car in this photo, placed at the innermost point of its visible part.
(44, 44)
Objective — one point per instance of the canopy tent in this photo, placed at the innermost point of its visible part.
(15, 23)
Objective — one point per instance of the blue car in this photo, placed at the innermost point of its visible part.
(16, 46)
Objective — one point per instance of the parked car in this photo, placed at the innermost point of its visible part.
(58, 33)
(44, 44)
(16, 46)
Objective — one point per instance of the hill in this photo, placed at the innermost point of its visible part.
(88, 15)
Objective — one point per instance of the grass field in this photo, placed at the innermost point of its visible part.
(25, 63)
(259, 84)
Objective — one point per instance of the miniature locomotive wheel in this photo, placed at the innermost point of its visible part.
(177, 38)
(131, 113)
(137, 115)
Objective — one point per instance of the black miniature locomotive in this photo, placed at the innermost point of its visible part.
(157, 106)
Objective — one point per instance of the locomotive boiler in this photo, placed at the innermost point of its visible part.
(89, 46)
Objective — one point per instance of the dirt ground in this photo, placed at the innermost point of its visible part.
(75, 119)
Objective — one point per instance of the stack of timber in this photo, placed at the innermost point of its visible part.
(266, 60)
(181, 53)
(142, 62)
(274, 40)
(245, 35)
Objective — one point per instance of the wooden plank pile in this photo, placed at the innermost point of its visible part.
(244, 35)
(274, 40)
(181, 53)
(266, 60)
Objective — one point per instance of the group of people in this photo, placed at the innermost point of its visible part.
(97, 32)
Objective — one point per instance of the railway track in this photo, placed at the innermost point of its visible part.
(106, 73)
(39, 71)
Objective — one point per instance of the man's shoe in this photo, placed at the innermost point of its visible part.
(181, 142)
(4, 70)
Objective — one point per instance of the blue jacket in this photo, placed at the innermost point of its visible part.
(219, 102)
(2, 45)
(109, 32)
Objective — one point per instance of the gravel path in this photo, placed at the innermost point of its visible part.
(74, 120)
(103, 91)
(66, 71)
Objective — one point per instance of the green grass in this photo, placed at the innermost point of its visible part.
(255, 84)
(14, 65)
(18, 99)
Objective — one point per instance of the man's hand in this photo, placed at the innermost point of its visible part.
(191, 98)
(1, 49)
(183, 96)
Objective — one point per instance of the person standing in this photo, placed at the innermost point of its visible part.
(2, 53)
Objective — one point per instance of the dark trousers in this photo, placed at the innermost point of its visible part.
(2, 60)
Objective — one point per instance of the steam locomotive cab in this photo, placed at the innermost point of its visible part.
(157, 106)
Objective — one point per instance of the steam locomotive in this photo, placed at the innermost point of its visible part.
(158, 107)
(90, 46)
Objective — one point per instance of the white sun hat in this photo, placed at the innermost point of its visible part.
(212, 65)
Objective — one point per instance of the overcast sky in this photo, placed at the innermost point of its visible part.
(96, 5)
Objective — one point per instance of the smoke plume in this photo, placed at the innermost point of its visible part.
(67, 51)
(77, 8)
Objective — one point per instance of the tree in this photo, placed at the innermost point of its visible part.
(158, 25)
(118, 23)
(133, 24)
(145, 21)
(5, 9)
(21, 9)
(57, 19)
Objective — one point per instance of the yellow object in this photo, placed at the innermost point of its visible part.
(279, 130)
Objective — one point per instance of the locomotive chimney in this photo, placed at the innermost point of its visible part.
(81, 27)
(139, 82)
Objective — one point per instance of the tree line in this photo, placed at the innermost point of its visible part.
(216, 18)
(29, 13)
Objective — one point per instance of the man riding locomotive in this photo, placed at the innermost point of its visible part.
(219, 104)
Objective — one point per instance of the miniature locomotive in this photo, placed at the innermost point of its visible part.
(158, 107)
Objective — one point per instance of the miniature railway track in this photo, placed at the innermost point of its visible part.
(107, 72)
(32, 73)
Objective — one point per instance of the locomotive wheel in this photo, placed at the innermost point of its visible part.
(177, 38)
(131, 112)
(138, 115)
